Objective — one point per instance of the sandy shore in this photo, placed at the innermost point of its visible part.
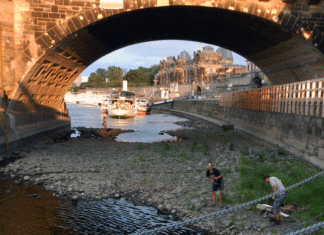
(167, 175)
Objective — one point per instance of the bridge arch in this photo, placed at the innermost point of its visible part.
(284, 47)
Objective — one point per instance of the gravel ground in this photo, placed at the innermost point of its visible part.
(167, 175)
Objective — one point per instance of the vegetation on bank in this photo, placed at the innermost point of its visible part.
(251, 169)
(292, 171)
(136, 78)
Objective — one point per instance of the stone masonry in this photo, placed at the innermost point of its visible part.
(46, 44)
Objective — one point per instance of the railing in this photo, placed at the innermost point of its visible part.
(302, 98)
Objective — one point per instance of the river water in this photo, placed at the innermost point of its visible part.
(147, 127)
(27, 209)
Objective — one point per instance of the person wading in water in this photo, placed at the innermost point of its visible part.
(218, 183)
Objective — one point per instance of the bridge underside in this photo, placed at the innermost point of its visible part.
(284, 56)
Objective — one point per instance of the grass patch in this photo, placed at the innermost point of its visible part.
(139, 147)
(281, 152)
(166, 147)
(205, 148)
(244, 151)
(261, 157)
(226, 171)
(193, 147)
(191, 207)
(310, 194)
(142, 158)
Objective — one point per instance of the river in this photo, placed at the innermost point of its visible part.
(27, 209)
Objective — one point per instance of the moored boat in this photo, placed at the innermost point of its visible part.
(143, 105)
(121, 104)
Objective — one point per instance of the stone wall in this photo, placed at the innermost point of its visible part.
(298, 134)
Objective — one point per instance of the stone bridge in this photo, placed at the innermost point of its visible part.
(46, 44)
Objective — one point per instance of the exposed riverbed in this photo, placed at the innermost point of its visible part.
(168, 176)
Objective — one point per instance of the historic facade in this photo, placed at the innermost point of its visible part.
(206, 66)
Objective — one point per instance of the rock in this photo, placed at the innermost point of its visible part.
(70, 190)
(39, 197)
(248, 208)
(263, 225)
(198, 206)
(168, 206)
(223, 164)
(189, 168)
(26, 177)
(8, 191)
(247, 226)
(37, 169)
(117, 195)
(160, 206)
(17, 182)
(173, 211)
(32, 195)
(227, 222)
(108, 182)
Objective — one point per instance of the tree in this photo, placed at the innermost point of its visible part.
(114, 74)
(137, 78)
(95, 81)
(101, 73)
(152, 71)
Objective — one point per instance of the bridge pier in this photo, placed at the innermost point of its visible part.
(13, 136)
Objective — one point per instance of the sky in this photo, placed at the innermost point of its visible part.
(149, 53)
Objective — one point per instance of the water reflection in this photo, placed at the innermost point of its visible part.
(109, 216)
(147, 127)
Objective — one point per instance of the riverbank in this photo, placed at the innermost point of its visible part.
(167, 175)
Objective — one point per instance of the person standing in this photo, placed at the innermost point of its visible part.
(218, 183)
(279, 199)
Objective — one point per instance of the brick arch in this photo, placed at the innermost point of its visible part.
(66, 49)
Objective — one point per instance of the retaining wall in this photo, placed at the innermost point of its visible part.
(298, 134)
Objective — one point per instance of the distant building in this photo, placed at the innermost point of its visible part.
(206, 66)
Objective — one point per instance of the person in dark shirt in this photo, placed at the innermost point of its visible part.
(218, 184)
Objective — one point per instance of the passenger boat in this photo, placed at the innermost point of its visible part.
(143, 105)
(121, 104)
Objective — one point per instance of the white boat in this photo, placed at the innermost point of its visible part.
(143, 105)
(121, 104)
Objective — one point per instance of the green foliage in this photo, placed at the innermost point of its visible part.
(139, 147)
(193, 147)
(142, 158)
(244, 151)
(261, 157)
(281, 152)
(192, 208)
(137, 78)
(310, 194)
(166, 147)
(205, 148)
(74, 89)
(114, 74)
(98, 78)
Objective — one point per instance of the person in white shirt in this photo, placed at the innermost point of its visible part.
(279, 199)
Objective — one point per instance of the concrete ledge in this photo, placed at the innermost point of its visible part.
(222, 124)
(27, 134)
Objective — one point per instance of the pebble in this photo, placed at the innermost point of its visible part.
(17, 182)
(26, 177)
